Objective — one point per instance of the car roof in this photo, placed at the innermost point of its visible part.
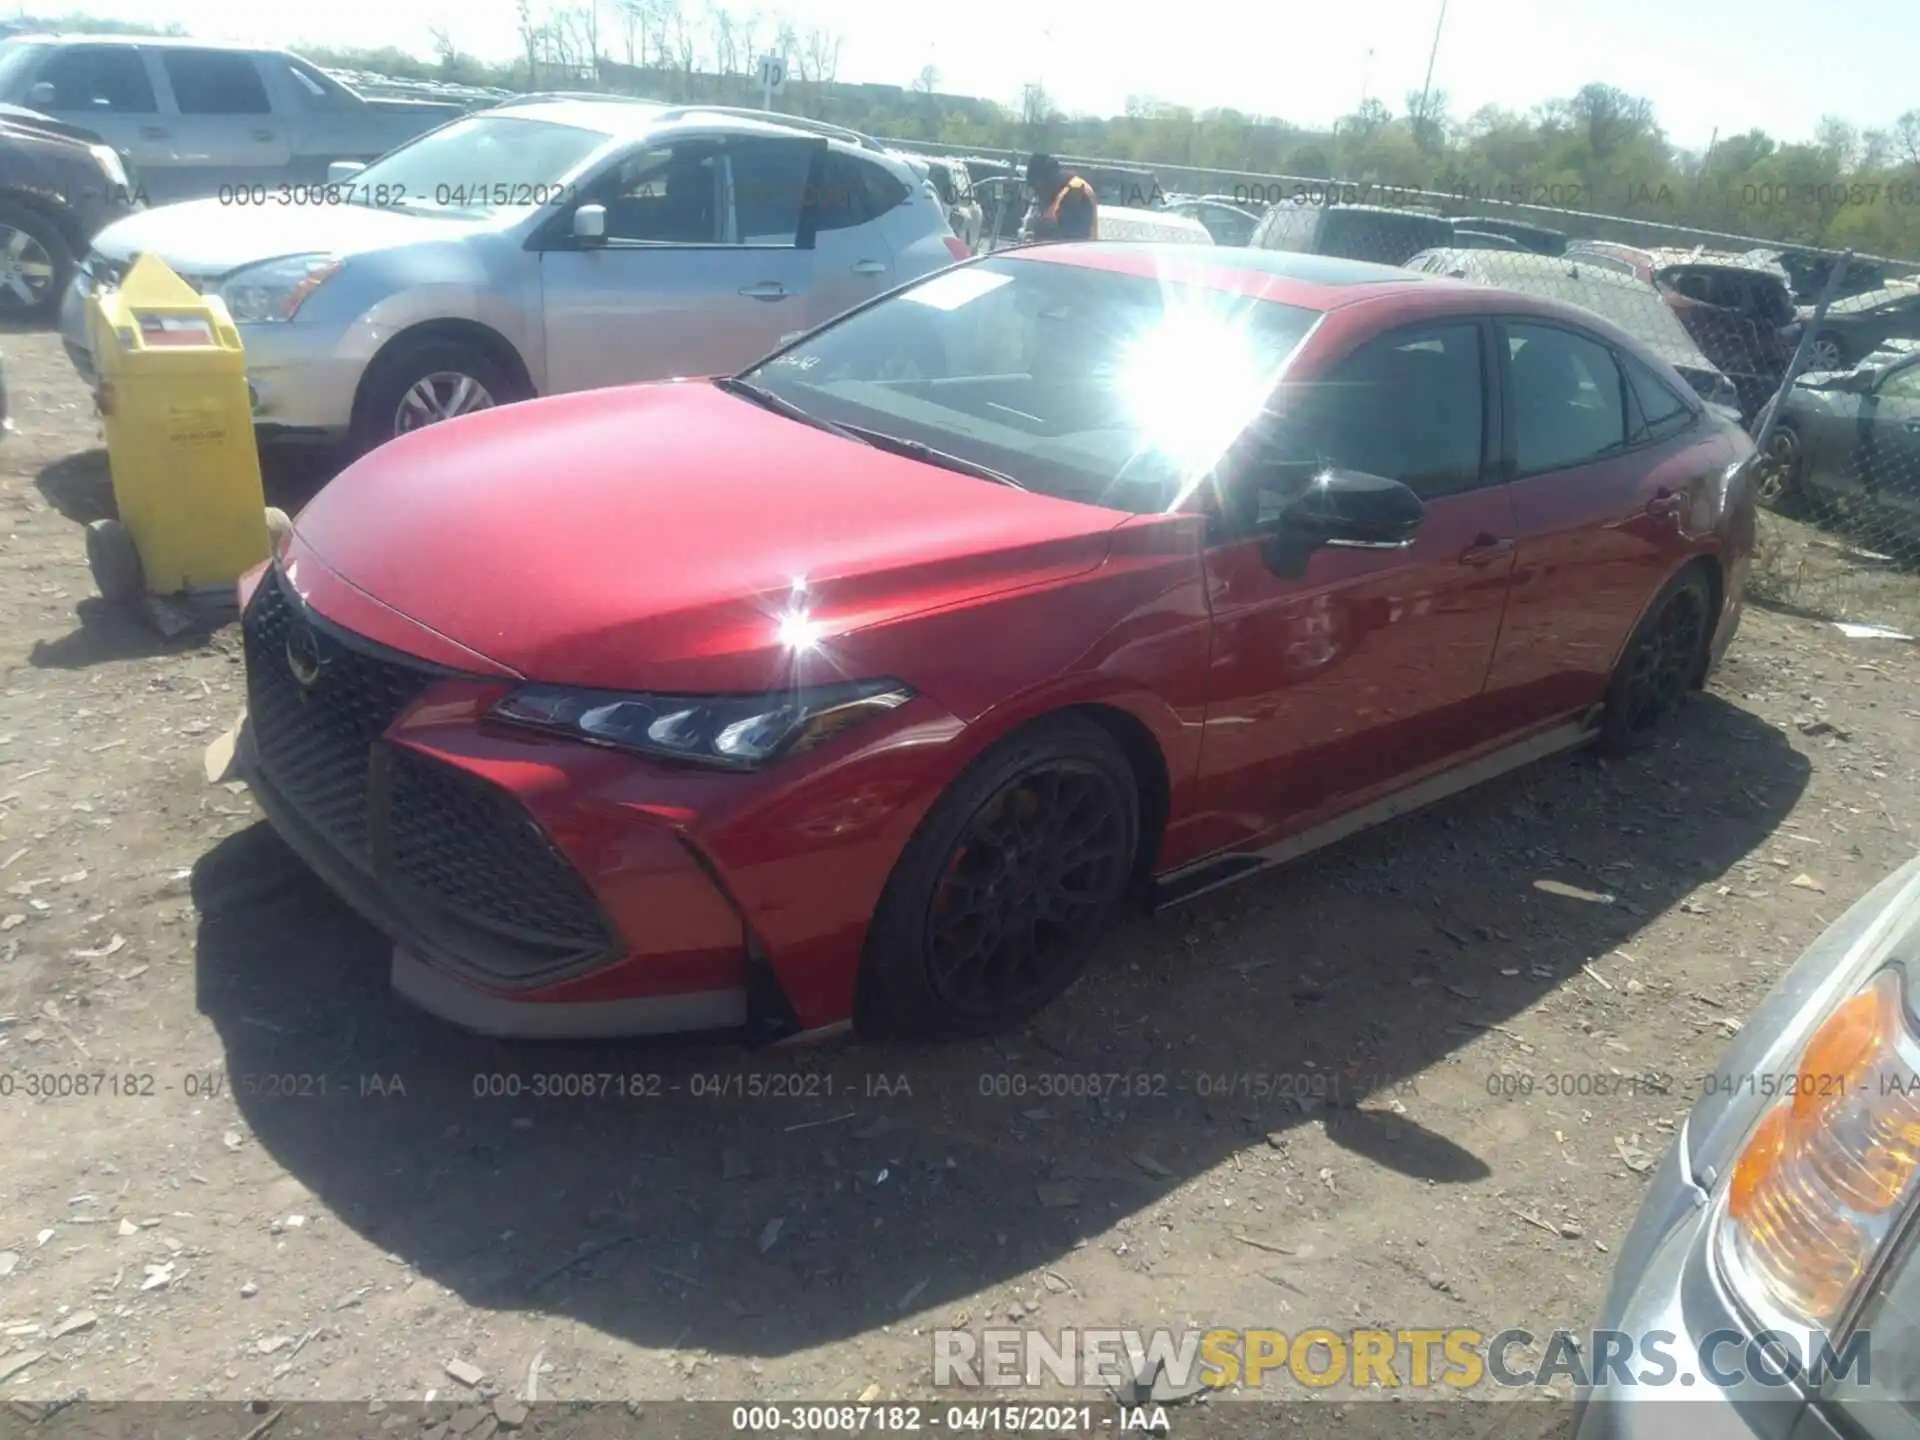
(622, 117)
(1626, 301)
(186, 42)
(1319, 282)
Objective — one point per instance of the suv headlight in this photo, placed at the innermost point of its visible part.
(733, 732)
(275, 289)
(1828, 1172)
(108, 159)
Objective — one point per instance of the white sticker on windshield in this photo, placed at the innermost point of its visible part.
(956, 288)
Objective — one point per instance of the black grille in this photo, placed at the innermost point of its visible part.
(454, 865)
(471, 847)
(315, 742)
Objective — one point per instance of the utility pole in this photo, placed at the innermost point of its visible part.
(1427, 88)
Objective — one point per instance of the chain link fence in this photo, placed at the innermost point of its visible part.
(1816, 352)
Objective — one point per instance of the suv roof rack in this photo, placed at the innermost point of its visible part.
(541, 97)
(774, 117)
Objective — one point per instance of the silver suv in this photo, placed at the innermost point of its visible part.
(555, 243)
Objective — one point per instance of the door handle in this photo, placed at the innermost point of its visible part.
(765, 290)
(1665, 502)
(263, 134)
(154, 132)
(869, 267)
(1914, 425)
(1486, 550)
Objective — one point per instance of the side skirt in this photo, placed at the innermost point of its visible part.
(1216, 871)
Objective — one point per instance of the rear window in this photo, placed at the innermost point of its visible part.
(1380, 236)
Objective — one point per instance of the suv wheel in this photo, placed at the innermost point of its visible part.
(414, 385)
(35, 264)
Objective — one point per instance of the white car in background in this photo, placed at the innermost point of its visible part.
(551, 244)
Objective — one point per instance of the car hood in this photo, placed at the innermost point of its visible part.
(653, 537)
(18, 117)
(211, 238)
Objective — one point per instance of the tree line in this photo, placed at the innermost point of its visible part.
(1601, 150)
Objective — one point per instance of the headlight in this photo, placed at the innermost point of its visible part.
(276, 289)
(108, 159)
(736, 732)
(1827, 1173)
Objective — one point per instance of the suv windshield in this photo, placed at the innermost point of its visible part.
(1380, 235)
(478, 166)
(1110, 389)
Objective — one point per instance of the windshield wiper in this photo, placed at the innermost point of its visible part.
(915, 450)
(780, 405)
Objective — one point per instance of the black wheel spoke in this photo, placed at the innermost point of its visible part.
(1039, 861)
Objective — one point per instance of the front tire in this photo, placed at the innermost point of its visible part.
(35, 265)
(1781, 468)
(1012, 879)
(416, 384)
(1663, 663)
(1828, 352)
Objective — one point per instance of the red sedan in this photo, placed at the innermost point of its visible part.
(870, 685)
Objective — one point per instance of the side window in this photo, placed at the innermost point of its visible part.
(881, 189)
(215, 82)
(769, 189)
(1902, 385)
(1409, 405)
(100, 77)
(665, 195)
(1660, 412)
(316, 90)
(839, 195)
(1568, 404)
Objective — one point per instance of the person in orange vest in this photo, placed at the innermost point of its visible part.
(1064, 205)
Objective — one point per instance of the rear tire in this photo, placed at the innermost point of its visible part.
(418, 383)
(997, 903)
(115, 562)
(1663, 663)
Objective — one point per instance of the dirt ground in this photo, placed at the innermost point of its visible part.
(290, 1185)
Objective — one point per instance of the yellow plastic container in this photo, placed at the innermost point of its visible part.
(179, 420)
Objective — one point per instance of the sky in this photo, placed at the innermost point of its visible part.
(1707, 65)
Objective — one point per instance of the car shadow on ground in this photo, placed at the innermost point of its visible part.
(80, 487)
(755, 1204)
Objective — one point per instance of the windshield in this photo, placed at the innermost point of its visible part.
(479, 166)
(1115, 390)
(16, 60)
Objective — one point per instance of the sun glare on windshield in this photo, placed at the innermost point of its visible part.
(1191, 382)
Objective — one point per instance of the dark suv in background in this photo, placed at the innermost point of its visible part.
(1353, 232)
(1739, 310)
(59, 186)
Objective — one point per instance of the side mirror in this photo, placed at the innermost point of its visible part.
(590, 222)
(1352, 510)
(341, 171)
(40, 96)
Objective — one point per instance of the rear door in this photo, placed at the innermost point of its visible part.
(1370, 667)
(701, 270)
(225, 131)
(852, 259)
(1607, 461)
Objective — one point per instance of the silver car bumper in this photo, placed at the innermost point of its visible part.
(301, 377)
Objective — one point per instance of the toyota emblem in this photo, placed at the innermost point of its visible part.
(304, 657)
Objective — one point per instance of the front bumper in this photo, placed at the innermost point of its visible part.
(1665, 1284)
(301, 377)
(540, 888)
